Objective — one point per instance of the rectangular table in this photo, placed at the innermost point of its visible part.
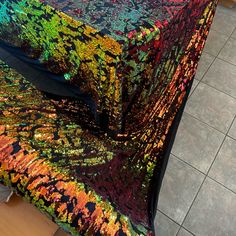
(120, 55)
(95, 163)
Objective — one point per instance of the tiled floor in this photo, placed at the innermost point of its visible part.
(198, 196)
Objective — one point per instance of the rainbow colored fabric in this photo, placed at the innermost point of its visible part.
(136, 60)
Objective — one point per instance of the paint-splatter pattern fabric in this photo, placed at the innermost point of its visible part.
(136, 60)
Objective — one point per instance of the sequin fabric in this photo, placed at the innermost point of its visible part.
(117, 52)
(52, 151)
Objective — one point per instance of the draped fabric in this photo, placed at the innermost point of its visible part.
(93, 162)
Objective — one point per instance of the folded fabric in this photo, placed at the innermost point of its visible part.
(120, 55)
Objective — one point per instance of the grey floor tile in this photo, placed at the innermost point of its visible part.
(184, 232)
(180, 185)
(234, 34)
(212, 107)
(203, 65)
(195, 83)
(213, 212)
(228, 53)
(222, 76)
(232, 131)
(224, 23)
(196, 143)
(227, 10)
(164, 226)
(224, 167)
(215, 42)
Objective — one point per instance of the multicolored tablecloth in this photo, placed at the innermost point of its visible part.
(93, 163)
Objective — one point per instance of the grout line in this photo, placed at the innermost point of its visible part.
(205, 123)
(218, 31)
(213, 61)
(234, 120)
(231, 137)
(207, 174)
(191, 92)
(209, 52)
(168, 217)
(216, 156)
(193, 200)
(225, 44)
(221, 59)
(226, 135)
(222, 185)
(186, 230)
(216, 56)
(187, 163)
(195, 197)
(208, 67)
(218, 89)
(181, 225)
(179, 158)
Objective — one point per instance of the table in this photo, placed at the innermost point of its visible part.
(95, 164)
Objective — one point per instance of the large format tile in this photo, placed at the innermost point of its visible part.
(184, 232)
(222, 76)
(224, 23)
(228, 53)
(232, 131)
(180, 185)
(213, 212)
(164, 226)
(196, 143)
(215, 42)
(224, 167)
(212, 106)
(203, 65)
